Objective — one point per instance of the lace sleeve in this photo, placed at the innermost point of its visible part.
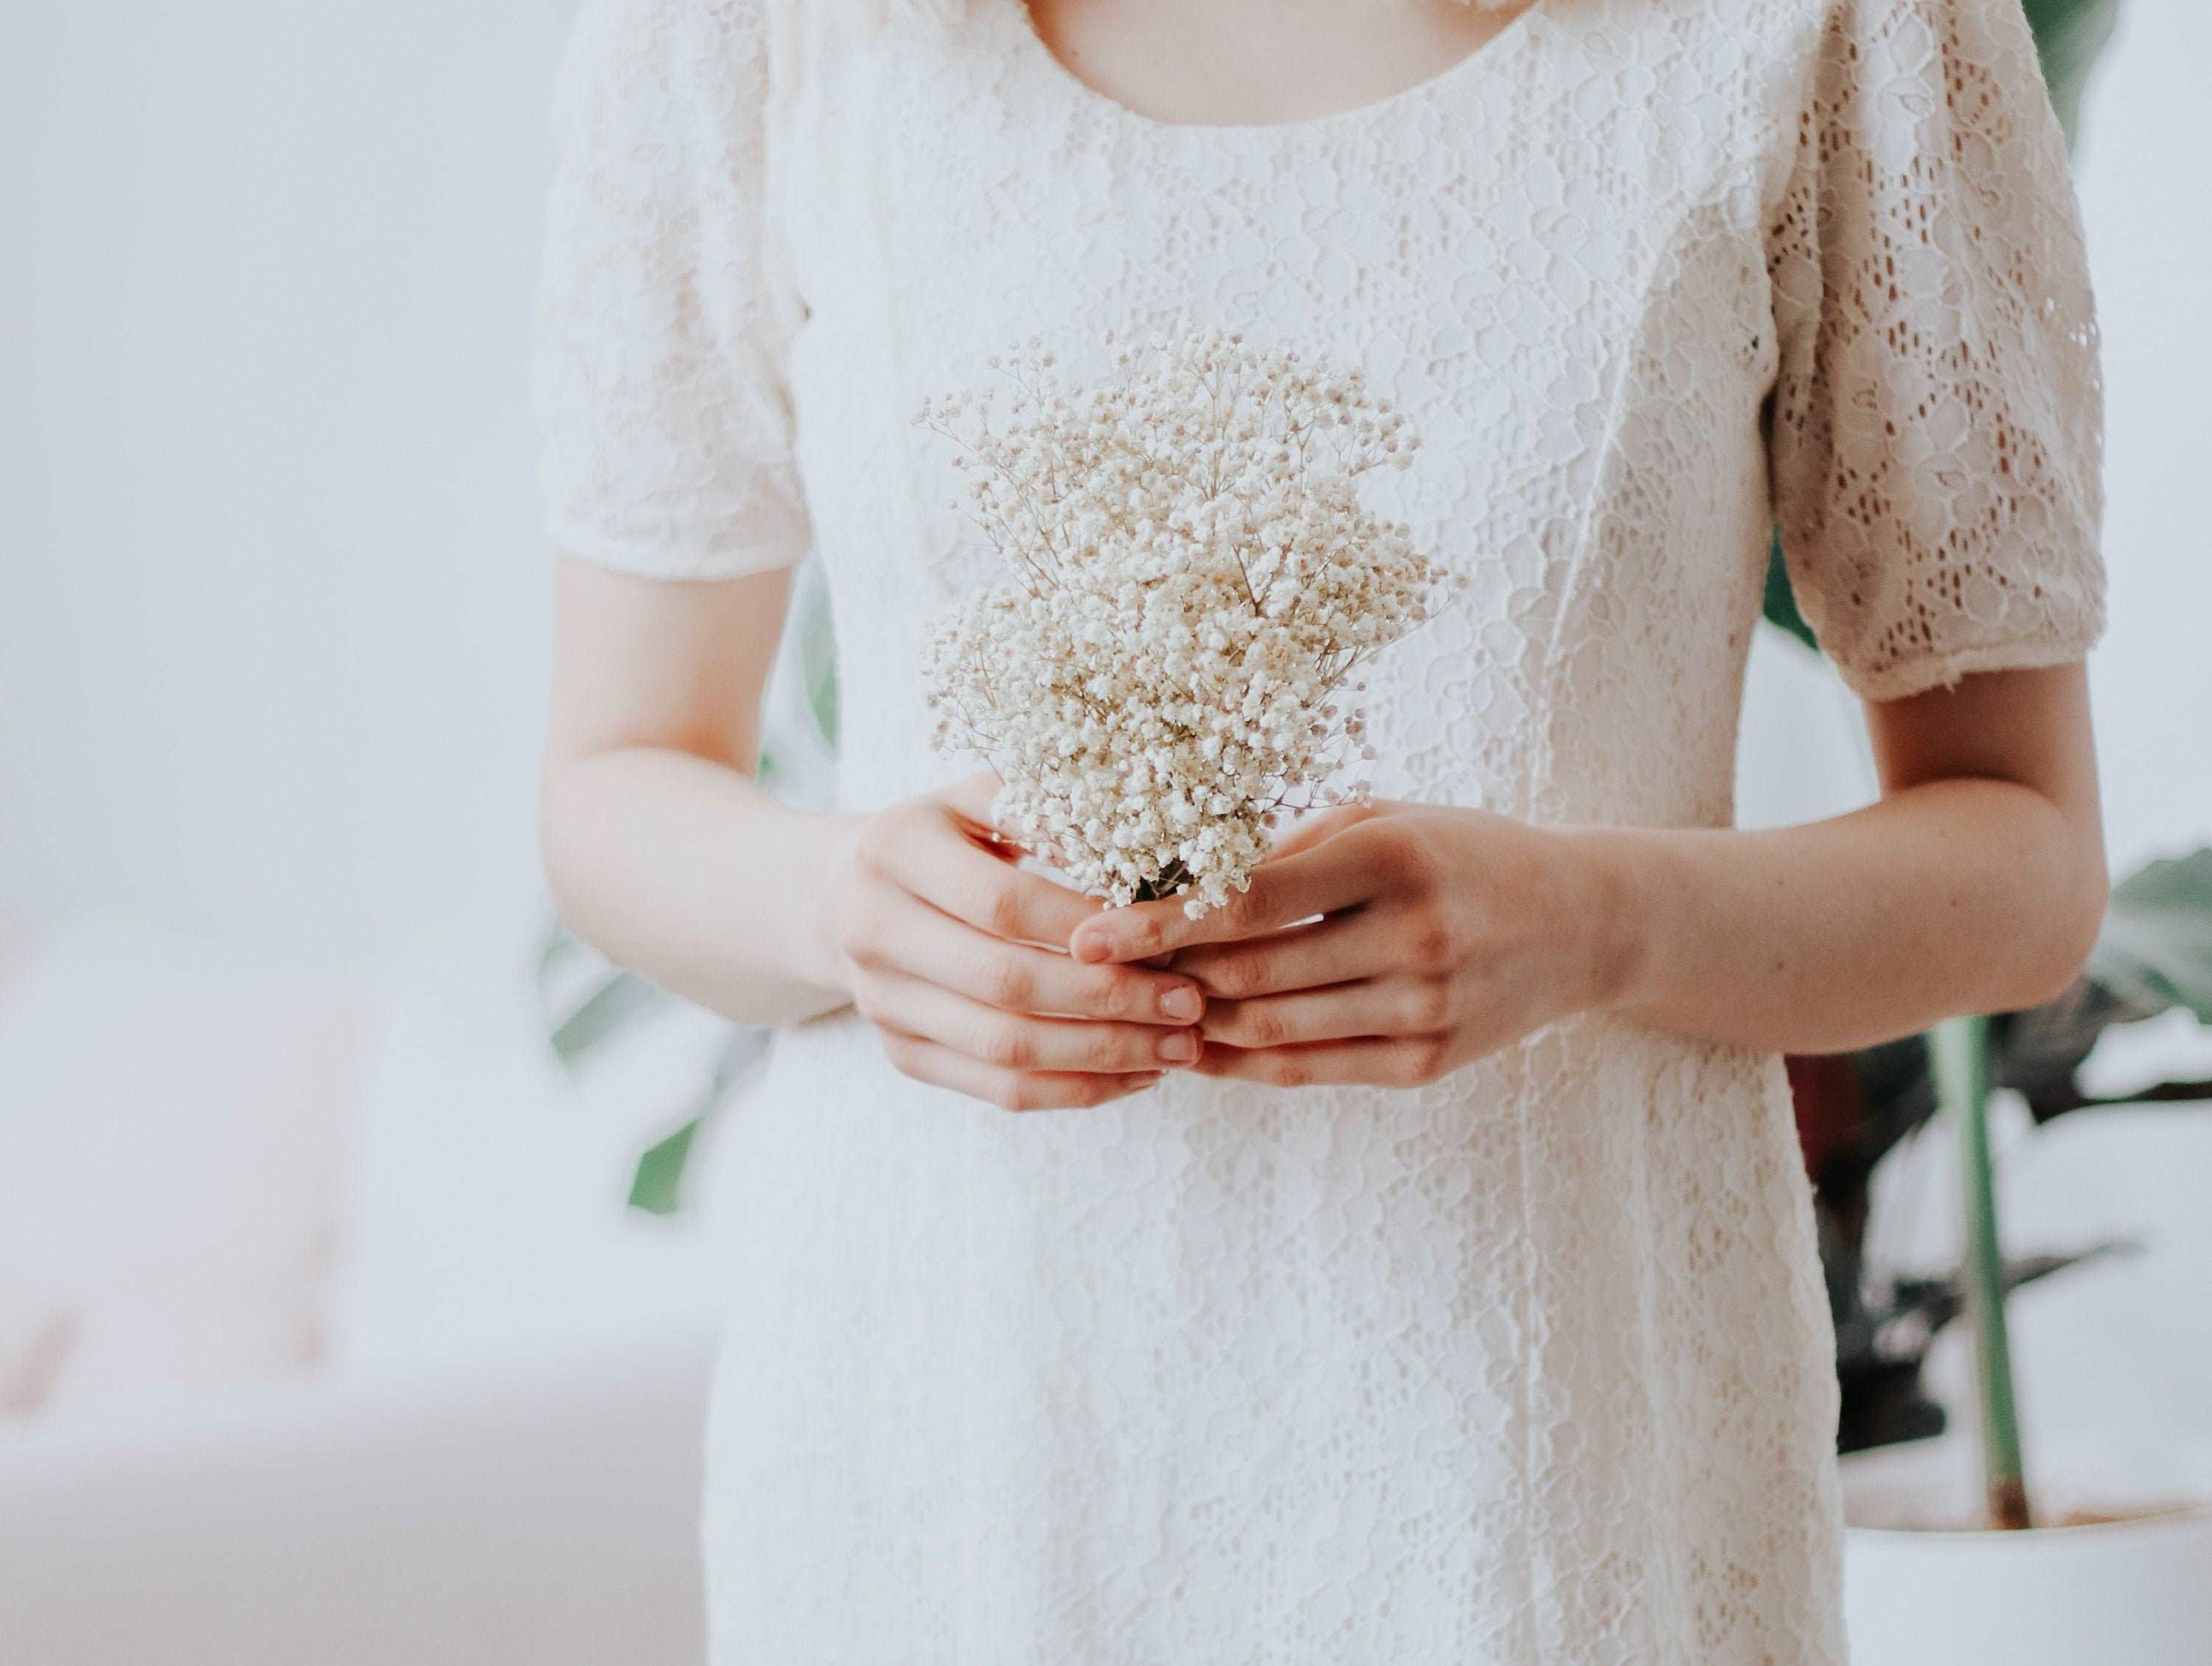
(1935, 426)
(659, 386)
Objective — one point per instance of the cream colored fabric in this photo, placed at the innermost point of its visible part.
(1529, 1366)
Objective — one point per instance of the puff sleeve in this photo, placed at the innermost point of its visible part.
(1934, 429)
(663, 320)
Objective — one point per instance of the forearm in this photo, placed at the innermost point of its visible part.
(1949, 897)
(653, 852)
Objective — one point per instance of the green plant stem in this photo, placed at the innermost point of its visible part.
(1961, 1057)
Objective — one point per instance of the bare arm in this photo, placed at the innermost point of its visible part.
(664, 852)
(1976, 884)
(661, 849)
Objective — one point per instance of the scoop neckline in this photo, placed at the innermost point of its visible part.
(1033, 45)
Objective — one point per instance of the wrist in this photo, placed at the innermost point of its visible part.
(832, 839)
(1617, 904)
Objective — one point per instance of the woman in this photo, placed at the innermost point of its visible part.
(1432, 1281)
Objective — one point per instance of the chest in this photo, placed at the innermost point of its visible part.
(1277, 62)
(1496, 234)
(1556, 274)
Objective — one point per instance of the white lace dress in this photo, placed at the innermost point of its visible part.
(1531, 1366)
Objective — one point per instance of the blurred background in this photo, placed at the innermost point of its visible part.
(320, 1300)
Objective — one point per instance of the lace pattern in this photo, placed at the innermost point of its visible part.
(1531, 1366)
(661, 327)
(1937, 420)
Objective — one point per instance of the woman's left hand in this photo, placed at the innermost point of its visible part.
(1442, 934)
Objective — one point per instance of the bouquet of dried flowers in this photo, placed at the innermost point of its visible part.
(1195, 580)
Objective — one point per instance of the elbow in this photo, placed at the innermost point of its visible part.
(2087, 922)
(561, 852)
(2072, 914)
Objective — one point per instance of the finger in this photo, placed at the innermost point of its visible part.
(1339, 949)
(970, 798)
(1374, 1007)
(1021, 1043)
(1321, 880)
(970, 803)
(920, 942)
(929, 1061)
(959, 877)
(1309, 829)
(1403, 1062)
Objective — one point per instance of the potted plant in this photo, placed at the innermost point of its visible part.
(1955, 1555)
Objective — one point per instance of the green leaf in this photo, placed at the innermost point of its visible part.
(2155, 949)
(623, 996)
(2037, 1053)
(657, 1188)
(818, 653)
(559, 945)
(2069, 35)
(1781, 603)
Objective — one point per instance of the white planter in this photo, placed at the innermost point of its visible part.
(2135, 1593)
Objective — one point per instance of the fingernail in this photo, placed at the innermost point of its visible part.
(1181, 1003)
(1090, 947)
(1179, 1047)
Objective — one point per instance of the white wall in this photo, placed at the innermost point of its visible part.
(2145, 171)
(272, 607)
(271, 601)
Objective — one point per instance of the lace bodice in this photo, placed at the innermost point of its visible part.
(1528, 1366)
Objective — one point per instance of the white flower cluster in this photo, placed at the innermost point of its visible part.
(1195, 580)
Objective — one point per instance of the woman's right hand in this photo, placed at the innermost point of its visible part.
(958, 958)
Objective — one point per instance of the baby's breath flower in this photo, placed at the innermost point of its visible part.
(1195, 579)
